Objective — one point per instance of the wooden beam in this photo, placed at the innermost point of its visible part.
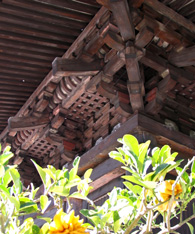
(135, 85)
(27, 122)
(160, 64)
(157, 96)
(106, 172)
(171, 14)
(122, 15)
(164, 32)
(75, 67)
(165, 11)
(144, 36)
(136, 124)
(184, 58)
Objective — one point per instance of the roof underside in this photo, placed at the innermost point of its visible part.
(131, 57)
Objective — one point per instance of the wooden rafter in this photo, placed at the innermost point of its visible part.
(184, 58)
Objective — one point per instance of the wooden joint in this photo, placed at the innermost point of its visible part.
(134, 87)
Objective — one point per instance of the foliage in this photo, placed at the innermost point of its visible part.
(148, 194)
(15, 202)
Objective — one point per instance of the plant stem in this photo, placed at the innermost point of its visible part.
(69, 205)
(149, 221)
(177, 226)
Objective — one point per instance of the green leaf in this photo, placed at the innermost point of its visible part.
(88, 173)
(105, 219)
(193, 167)
(44, 228)
(7, 149)
(47, 219)
(35, 229)
(2, 171)
(143, 148)
(117, 156)
(33, 191)
(74, 170)
(15, 202)
(191, 228)
(4, 189)
(16, 179)
(165, 153)
(116, 219)
(50, 173)
(7, 176)
(146, 184)
(60, 190)
(155, 156)
(77, 195)
(5, 157)
(27, 206)
(44, 176)
(136, 189)
(44, 202)
(113, 197)
(73, 183)
(159, 171)
(185, 175)
(132, 143)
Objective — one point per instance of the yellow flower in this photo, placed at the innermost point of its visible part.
(66, 224)
(165, 192)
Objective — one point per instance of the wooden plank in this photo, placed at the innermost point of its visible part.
(25, 123)
(99, 153)
(76, 67)
(106, 172)
(122, 15)
(184, 58)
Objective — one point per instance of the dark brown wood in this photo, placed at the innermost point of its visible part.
(121, 12)
(163, 31)
(114, 41)
(184, 58)
(67, 67)
(159, 64)
(138, 122)
(25, 123)
(105, 172)
(69, 54)
(57, 121)
(170, 14)
(135, 83)
(144, 37)
(75, 94)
